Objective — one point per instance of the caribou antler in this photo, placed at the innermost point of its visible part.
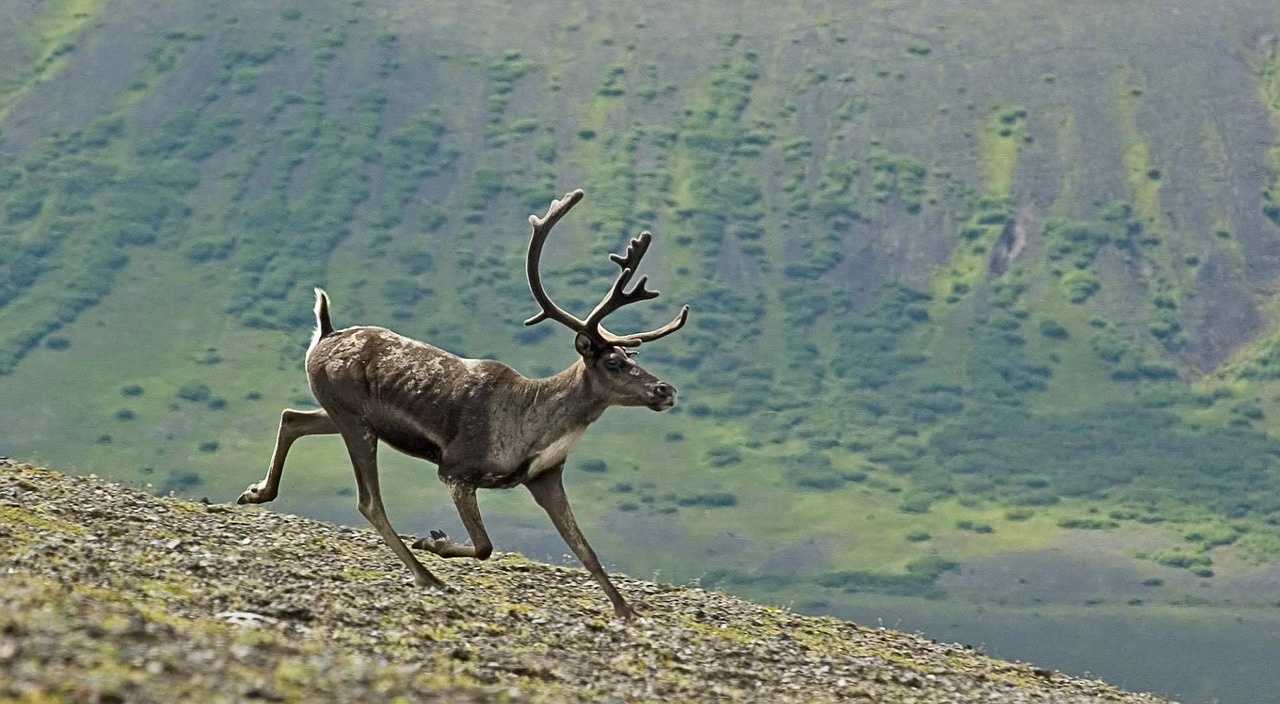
(618, 295)
(541, 228)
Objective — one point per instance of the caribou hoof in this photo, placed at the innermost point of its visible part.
(255, 494)
(437, 543)
(431, 583)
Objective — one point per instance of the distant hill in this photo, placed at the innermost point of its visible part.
(112, 595)
(965, 280)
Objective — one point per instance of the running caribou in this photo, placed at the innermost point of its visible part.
(480, 421)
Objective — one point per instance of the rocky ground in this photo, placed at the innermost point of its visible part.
(108, 594)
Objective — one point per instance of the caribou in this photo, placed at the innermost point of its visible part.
(482, 423)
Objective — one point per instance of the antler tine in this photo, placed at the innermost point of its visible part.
(541, 228)
(657, 333)
(635, 251)
(618, 297)
(641, 337)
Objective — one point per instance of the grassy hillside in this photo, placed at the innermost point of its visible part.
(965, 281)
(114, 595)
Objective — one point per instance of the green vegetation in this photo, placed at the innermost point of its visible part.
(1268, 72)
(919, 580)
(49, 42)
(971, 310)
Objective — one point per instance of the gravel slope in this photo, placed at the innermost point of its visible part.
(111, 595)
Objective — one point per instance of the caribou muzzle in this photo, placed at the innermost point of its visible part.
(662, 396)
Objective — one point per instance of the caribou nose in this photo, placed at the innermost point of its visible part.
(661, 396)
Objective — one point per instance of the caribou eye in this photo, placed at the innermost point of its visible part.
(613, 364)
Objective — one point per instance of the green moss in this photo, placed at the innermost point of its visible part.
(34, 524)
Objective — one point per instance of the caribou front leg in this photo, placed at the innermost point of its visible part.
(548, 490)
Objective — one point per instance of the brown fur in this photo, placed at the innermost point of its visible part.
(485, 425)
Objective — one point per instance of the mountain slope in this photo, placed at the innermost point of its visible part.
(115, 595)
(965, 281)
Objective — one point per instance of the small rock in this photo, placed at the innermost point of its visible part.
(9, 648)
(246, 618)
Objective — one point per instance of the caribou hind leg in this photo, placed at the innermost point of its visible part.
(362, 445)
(293, 425)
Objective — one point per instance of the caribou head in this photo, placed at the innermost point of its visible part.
(608, 359)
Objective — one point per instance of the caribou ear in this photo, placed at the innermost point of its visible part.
(585, 347)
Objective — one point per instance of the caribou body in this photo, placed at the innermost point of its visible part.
(485, 425)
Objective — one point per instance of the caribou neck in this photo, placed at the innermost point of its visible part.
(566, 399)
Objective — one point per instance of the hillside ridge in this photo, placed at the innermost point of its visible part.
(114, 595)
(979, 290)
